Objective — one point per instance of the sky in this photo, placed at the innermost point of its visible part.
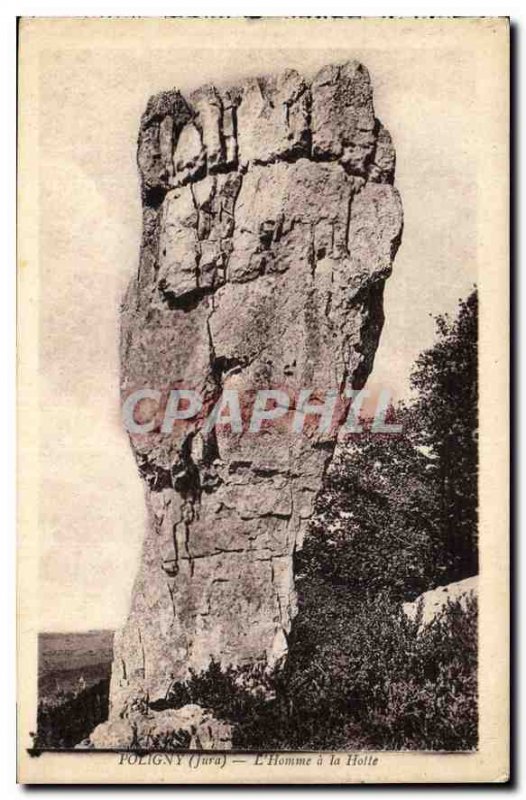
(92, 512)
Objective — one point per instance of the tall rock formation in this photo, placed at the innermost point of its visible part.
(270, 224)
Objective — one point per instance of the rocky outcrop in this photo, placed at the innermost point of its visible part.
(270, 223)
(429, 605)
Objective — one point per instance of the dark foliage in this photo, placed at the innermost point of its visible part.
(375, 528)
(358, 676)
(446, 421)
(72, 717)
(398, 516)
(361, 675)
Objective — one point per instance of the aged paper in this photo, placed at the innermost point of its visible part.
(209, 565)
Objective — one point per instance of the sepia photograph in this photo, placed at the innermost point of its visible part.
(263, 400)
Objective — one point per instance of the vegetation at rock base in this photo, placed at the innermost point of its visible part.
(398, 516)
(446, 423)
(71, 717)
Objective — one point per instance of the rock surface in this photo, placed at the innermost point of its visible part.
(432, 603)
(270, 224)
(189, 727)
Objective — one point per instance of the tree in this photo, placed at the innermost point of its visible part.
(398, 513)
(397, 516)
